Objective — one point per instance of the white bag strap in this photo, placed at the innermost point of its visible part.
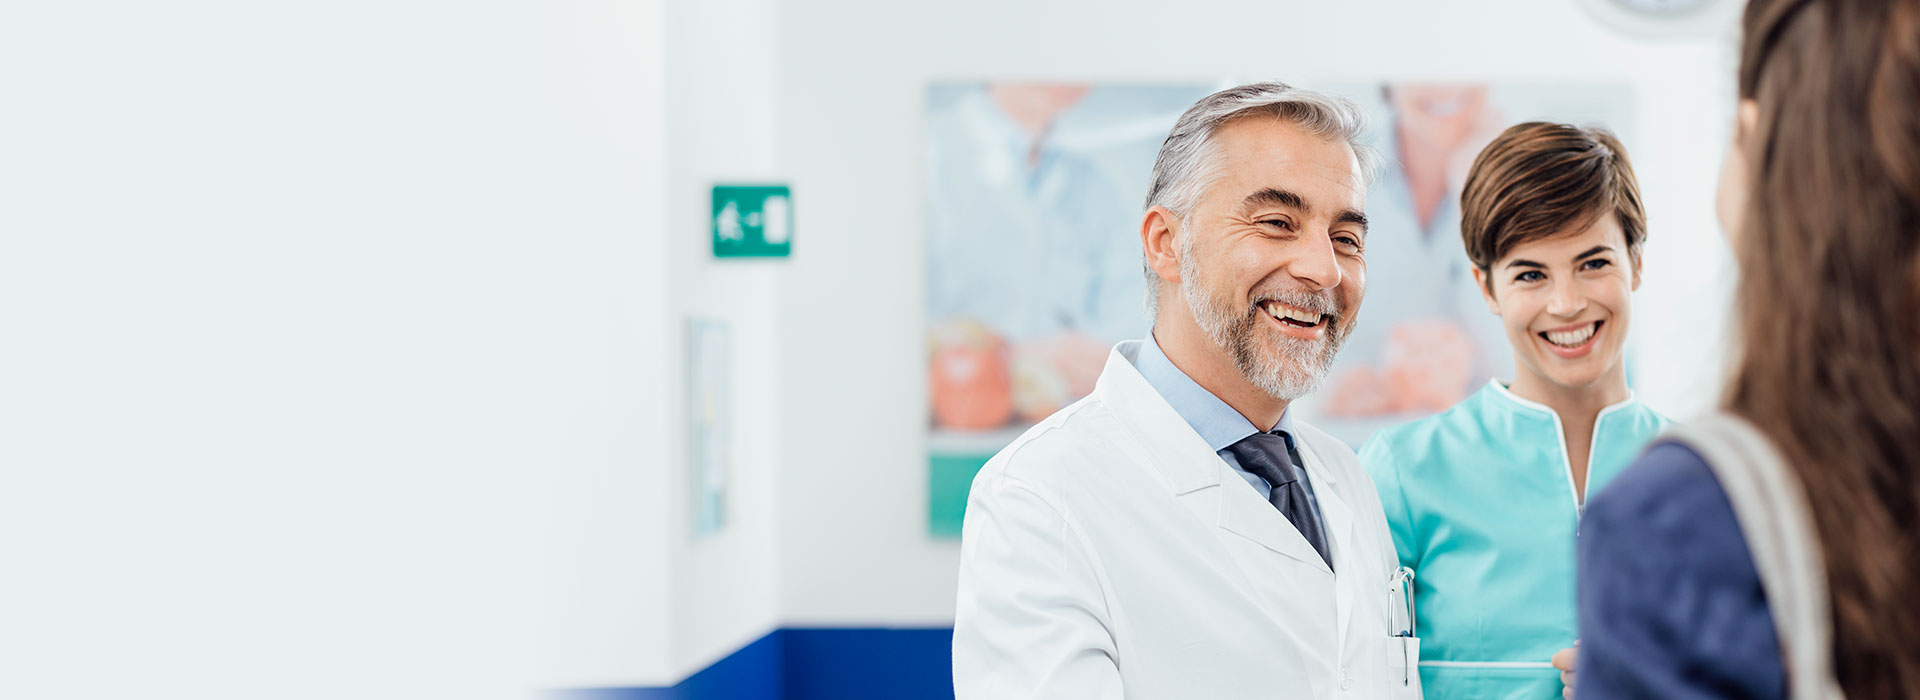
(1771, 507)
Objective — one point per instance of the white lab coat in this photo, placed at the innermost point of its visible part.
(1110, 553)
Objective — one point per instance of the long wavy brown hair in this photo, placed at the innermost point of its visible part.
(1829, 303)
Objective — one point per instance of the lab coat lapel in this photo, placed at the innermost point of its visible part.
(1338, 518)
(1243, 512)
(1189, 465)
(1174, 450)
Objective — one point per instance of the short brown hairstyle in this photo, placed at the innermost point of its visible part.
(1538, 180)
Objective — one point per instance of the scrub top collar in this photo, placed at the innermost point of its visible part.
(1216, 422)
(1502, 391)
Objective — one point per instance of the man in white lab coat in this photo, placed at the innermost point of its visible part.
(1176, 534)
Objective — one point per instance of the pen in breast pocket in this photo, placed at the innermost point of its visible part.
(1403, 581)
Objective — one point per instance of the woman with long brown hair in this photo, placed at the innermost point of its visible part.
(1774, 550)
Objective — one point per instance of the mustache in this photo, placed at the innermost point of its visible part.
(1322, 302)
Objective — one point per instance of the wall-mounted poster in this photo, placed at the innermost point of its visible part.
(709, 418)
(1034, 198)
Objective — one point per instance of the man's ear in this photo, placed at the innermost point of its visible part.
(1159, 231)
(1486, 292)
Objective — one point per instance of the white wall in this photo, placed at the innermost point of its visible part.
(725, 104)
(609, 554)
(332, 344)
(852, 547)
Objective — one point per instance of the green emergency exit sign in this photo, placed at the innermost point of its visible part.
(752, 221)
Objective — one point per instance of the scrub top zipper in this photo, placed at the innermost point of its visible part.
(1577, 495)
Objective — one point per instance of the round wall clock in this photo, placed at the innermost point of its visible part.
(1665, 18)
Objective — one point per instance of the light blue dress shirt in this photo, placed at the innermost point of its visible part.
(1216, 422)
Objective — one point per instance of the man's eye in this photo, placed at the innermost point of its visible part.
(1349, 241)
(1529, 276)
(1281, 224)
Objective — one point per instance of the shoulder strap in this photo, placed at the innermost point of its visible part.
(1771, 508)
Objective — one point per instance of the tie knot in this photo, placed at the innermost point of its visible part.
(1267, 455)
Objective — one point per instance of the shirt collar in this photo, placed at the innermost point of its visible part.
(1216, 422)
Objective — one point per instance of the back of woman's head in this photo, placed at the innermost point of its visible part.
(1829, 302)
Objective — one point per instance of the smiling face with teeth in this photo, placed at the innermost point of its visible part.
(1269, 266)
(1565, 302)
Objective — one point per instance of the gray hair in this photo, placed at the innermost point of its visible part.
(1189, 160)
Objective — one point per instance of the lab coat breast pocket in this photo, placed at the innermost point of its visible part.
(1403, 668)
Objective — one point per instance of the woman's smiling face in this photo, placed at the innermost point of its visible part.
(1566, 301)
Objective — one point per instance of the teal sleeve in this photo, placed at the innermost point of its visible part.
(1377, 457)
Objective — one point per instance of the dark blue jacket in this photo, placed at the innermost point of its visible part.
(1670, 603)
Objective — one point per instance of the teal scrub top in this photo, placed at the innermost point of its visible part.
(1482, 507)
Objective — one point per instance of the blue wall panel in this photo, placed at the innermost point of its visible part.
(814, 664)
(854, 664)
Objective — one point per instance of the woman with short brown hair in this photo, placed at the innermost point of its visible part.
(1483, 500)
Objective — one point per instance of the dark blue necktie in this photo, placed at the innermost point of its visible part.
(1271, 456)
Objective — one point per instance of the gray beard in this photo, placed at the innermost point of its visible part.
(1289, 368)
